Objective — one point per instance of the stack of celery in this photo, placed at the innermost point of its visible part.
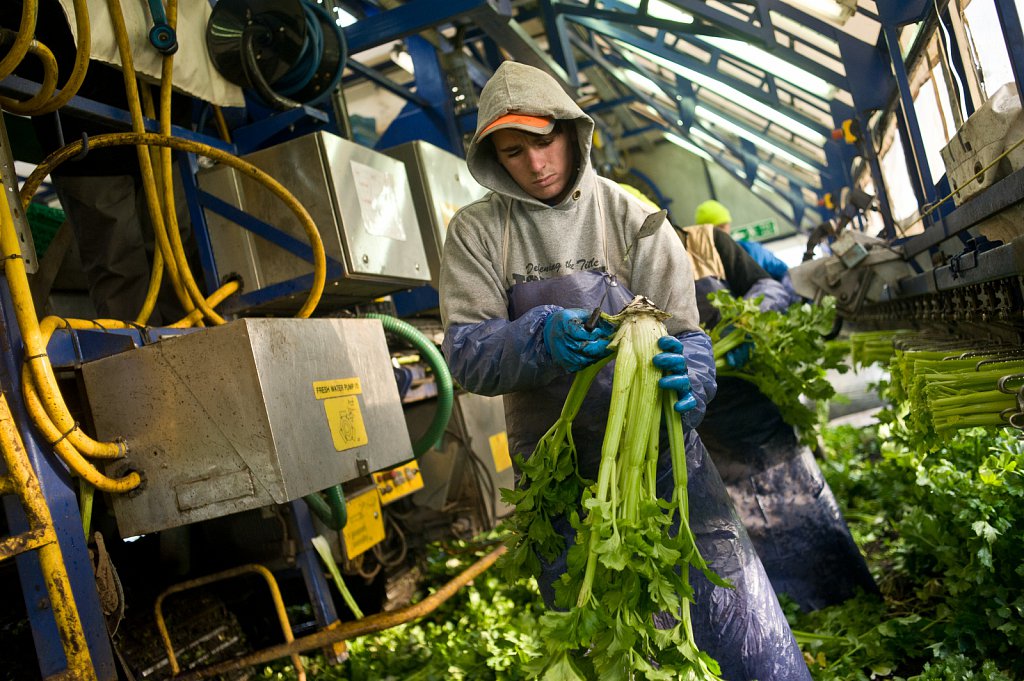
(947, 384)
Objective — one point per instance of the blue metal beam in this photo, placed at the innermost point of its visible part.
(434, 123)
(922, 173)
(21, 88)
(386, 83)
(904, 12)
(411, 18)
(1013, 36)
(558, 41)
(58, 489)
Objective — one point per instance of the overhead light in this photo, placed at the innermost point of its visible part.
(659, 9)
(711, 117)
(688, 146)
(836, 11)
(761, 187)
(401, 57)
(341, 17)
(642, 82)
(733, 95)
(706, 138)
(780, 68)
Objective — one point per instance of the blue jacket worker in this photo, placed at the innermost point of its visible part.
(521, 271)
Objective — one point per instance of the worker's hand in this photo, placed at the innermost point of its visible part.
(739, 356)
(572, 346)
(672, 362)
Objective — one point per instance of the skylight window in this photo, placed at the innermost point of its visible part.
(706, 138)
(734, 95)
(714, 119)
(662, 10)
(688, 146)
(774, 65)
(642, 82)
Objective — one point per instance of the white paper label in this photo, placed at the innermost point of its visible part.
(378, 199)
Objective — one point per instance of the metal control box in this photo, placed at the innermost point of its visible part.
(441, 185)
(360, 201)
(245, 415)
(479, 421)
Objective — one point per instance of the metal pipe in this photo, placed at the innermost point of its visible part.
(350, 630)
(275, 594)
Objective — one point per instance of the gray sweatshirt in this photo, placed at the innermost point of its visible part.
(591, 229)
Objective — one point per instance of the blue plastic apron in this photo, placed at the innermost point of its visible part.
(743, 628)
(786, 505)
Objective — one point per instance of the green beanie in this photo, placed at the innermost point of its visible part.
(711, 213)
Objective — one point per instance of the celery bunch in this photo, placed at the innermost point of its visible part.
(790, 357)
(627, 565)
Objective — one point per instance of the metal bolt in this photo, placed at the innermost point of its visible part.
(366, 258)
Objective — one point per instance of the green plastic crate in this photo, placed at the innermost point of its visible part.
(44, 223)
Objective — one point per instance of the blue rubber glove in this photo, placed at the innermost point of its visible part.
(739, 356)
(672, 362)
(572, 346)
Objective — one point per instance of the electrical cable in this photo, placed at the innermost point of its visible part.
(945, 46)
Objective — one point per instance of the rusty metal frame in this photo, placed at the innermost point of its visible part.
(275, 594)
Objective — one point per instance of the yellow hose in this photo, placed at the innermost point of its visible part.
(156, 276)
(49, 62)
(26, 31)
(82, 54)
(67, 451)
(32, 402)
(72, 440)
(145, 163)
(177, 247)
(215, 299)
(222, 125)
(35, 350)
(30, 186)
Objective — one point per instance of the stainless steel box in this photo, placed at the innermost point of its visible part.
(361, 202)
(480, 422)
(249, 414)
(441, 185)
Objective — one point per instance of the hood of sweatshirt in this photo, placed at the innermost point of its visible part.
(518, 88)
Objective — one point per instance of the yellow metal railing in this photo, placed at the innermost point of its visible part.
(21, 482)
(275, 594)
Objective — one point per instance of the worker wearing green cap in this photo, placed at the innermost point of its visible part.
(712, 212)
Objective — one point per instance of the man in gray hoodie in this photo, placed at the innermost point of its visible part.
(521, 270)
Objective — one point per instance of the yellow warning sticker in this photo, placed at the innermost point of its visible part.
(346, 422)
(339, 387)
(365, 526)
(499, 450)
